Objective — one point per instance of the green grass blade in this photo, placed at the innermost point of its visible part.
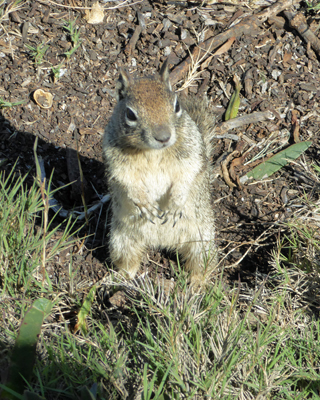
(23, 354)
(12, 393)
(84, 311)
(32, 396)
(87, 394)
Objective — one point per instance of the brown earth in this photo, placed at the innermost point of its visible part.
(278, 70)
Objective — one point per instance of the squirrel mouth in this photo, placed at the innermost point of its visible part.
(157, 144)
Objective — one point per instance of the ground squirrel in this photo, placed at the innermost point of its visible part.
(156, 149)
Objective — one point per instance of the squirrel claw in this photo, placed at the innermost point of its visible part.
(176, 216)
(166, 219)
(160, 213)
(144, 215)
(149, 211)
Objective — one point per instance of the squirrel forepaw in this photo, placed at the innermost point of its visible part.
(176, 215)
(150, 212)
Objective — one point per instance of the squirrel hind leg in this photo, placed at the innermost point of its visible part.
(126, 257)
(127, 265)
(200, 260)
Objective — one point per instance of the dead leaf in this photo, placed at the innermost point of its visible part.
(206, 63)
(224, 168)
(95, 15)
(296, 126)
(87, 131)
(236, 162)
(287, 57)
(225, 47)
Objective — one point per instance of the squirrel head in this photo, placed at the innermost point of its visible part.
(148, 111)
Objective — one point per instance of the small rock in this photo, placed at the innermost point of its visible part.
(167, 51)
(166, 24)
(183, 34)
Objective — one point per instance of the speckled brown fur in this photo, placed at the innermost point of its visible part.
(156, 150)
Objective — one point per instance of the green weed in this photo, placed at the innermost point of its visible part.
(37, 53)
(313, 5)
(24, 247)
(56, 72)
(74, 36)
(4, 103)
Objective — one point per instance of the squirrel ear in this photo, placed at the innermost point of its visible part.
(164, 73)
(123, 83)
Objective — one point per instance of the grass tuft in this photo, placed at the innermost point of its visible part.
(164, 341)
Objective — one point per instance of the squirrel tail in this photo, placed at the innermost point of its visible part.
(198, 109)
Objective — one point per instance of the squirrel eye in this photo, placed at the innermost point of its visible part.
(177, 107)
(131, 115)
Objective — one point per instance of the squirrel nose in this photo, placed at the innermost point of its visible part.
(162, 134)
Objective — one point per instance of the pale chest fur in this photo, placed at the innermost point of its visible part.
(152, 175)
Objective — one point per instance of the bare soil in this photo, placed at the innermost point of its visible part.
(278, 70)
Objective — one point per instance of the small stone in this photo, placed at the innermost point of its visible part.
(167, 51)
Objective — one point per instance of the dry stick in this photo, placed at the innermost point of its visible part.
(124, 4)
(248, 26)
(296, 126)
(135, 37)
(256, 242)
(224, 168)
(133, 41)
(276, 8)
(299, 23)
(244, 120)
(56, 206)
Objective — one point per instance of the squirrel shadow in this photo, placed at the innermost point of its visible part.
(17, 152)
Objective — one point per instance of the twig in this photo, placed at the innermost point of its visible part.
(227, 136)
(276, 8)
(124, 4)
(224, 168)
(209, 45)
(134, 38)
(296, 126)
(244, 120)
(56, 206)
(247, 26)
(257, 242)
(105, 199)
(299, 23)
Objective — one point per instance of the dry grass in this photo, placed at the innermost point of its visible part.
(256, 341)
(9, 7)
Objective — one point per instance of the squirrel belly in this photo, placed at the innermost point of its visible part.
(157, 163)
